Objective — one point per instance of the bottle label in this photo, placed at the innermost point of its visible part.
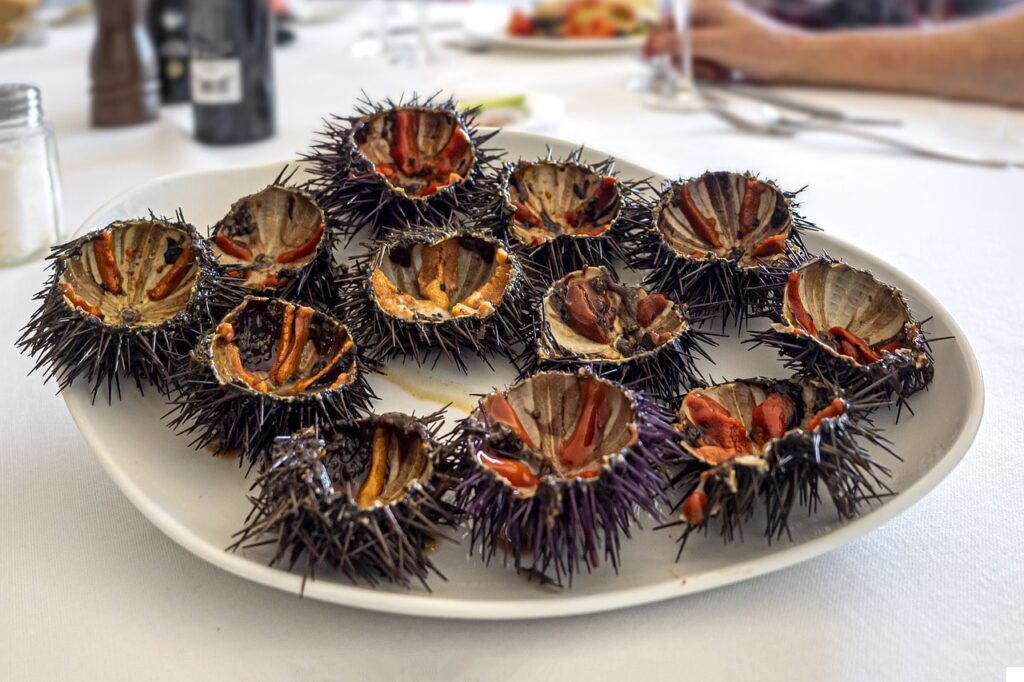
(216, 81)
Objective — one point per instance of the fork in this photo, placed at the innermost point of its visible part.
(780, 125)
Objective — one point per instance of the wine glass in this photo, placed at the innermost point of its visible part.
(678, 92)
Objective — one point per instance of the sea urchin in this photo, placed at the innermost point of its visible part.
(555, 470)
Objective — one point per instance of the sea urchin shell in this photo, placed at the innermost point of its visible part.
(274, 241)
(400, 163)
(555, 469)
(623, 333)
(565, 214)
(772, 442)
(842, 324)
(439, 292)
(271, 367)
(721, 242)
(125, 299)
(363, 498)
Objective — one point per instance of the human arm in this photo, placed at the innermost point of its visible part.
(981, 59)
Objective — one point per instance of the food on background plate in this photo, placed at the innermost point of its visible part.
(581, 19)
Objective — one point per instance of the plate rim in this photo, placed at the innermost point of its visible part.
(428, 605)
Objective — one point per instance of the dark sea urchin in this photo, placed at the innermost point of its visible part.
(721, 242)
(269, 368)
(275, 243)
(365, 498)
(411, 162)
(124, 300)
(555, 470)
(626, 334)
(438, 292)
(772, 444)
(844, 325)
(565, 214)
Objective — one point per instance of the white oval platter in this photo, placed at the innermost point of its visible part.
(200, 501)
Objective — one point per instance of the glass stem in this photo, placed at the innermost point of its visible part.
(684, 75)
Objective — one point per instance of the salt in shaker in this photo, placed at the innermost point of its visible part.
(30, 201)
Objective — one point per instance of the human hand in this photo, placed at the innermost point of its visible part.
(727, 38)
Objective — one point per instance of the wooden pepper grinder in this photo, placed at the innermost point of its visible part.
(123, 66)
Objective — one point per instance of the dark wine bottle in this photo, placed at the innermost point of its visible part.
(231, 67)
(166, 20)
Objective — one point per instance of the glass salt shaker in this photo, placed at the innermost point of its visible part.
(30, 198)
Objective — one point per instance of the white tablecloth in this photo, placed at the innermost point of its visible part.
(89, 589)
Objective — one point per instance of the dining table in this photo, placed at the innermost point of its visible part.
(90, 589)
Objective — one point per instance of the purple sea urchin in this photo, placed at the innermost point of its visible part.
(623, 333)
(773, 443)
(564, 214)
(275, 242)
(365, 498)
(722, 242)
(123, 300)
(843, 324)
(411, 162)
(271, 367)
(439, 292)
(555, 470)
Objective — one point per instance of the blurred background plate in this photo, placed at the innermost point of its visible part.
(200, 501)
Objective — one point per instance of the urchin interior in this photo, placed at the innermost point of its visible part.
(392, 454)
(569, 425)
(589, 314)
(265, 233)
(847, 309)
(552, 199)
(283, 349)
(136, 273)
(418, 151)
(455, 277)
(730, 215)
(741, 418)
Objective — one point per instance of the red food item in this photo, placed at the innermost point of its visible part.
(772, 417)
(853, 346)
(514, 471)
(581, 305)
(694, 506)
(304, 250)
(578, 450)
(500, 410)
(648, 309)
(103, 250)
(231, 248)
(520, 24)
(443, 164)
(405, 151)
(803, 318)
(834, 409)
(703, 227)
(769, 247)
(169, 281)
(79, 302)
(751, 198)
(525, 214)
(719, 427)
